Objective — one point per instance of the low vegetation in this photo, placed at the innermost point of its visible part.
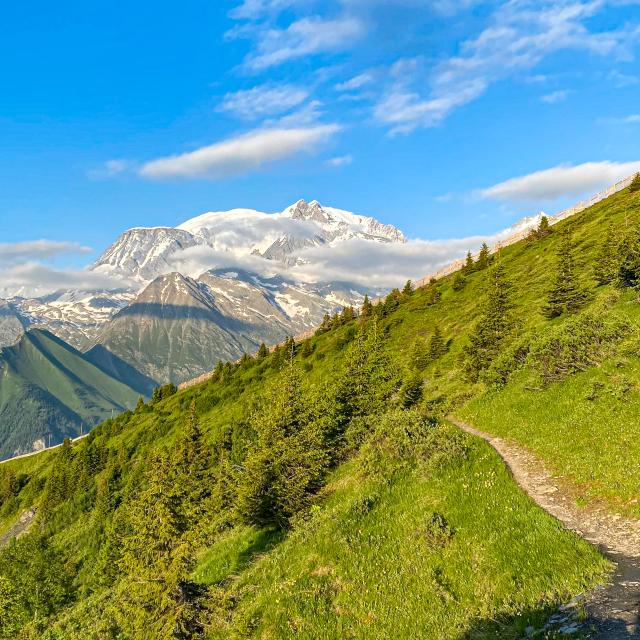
(318, 490)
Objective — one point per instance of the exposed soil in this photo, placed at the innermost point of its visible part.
(613, 610)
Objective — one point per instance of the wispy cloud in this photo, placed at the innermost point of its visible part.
(340, 161)
(16, 252)
(555, 96)
(356, 82)
(560, 181)
(263, 101)
(240, 155)
(109, 169)
(520, 35)
(304, 37)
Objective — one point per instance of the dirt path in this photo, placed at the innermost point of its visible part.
(614, 609)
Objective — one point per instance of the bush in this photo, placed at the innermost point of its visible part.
(437, 532)
(635, 184)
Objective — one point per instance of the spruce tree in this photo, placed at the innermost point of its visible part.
(436, 344)
(607, 260)
(628, 275)
(493, 326)
(407, 289)
(459, 282)
(307, 349)
(367, 308)
(419, 357)
(468, 264)
(483, 257)
(543, 229)
(156, 598)
(263, 351)
(566, 295)
(635, 184)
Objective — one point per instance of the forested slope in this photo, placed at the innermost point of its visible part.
(318, 491)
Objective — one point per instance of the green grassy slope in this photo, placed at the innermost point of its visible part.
(394, 541)
(47, 387)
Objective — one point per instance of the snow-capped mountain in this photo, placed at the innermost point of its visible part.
(141, 254)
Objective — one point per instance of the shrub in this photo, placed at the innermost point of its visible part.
(437, 532)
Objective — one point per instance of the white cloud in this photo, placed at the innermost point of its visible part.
(520, 35)
(356, 82)
(340, 161)
(561, 181)
(632, 119)
(555, 96)
(301, 38)
(109, 169)
(12, 253)
(262, 101)
(240, 155)
(32, 279)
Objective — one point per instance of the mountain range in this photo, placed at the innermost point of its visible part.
(181, 299)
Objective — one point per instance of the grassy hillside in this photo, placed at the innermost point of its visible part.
(48, 389)
(318, 492)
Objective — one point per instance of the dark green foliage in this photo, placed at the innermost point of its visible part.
(469, 265)
(162, 392)
(566, 295)
(307, 349)
(635, 184)
(492, 328)
(263, 351)
(607, 260)
(419, 358)
(367, 308)
(411, 391)
(407, 290)
(437, 346)
(629, 260)
(541, 231)
(483, 257)
(459, 282)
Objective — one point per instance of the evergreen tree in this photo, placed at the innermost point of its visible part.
(367, 308)
(347, 315)
(543, 229)
(493, 326)
(565, 295)
(628, 275)
(411, 391)
(483, 257)
(307, 349)
(263, 351)
(459, 282)
(407, 289)
(156, 598)
(437, 345)
(140, 405)
(419, 358)
(607, 260)
(325, 325)
(468, 264)
(635, 184)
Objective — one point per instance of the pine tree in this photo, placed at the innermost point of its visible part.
(437, 345)
(307, 349)
(565, 295)
(483, 257)
(156, 598)
(543, 229)
(459, 282)
(468, 264)
(347, 315)
(407, 289)
(367, 308)
(411, 391)
(635, 184)
(419, 358)
(628, 275)
(263, 351)
(493, 326)
(607, 259)
(140, 405)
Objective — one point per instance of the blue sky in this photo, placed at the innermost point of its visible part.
(446, 118)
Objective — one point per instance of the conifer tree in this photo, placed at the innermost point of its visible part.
(566, 294)
(140, 405)
(347, 315)
(411, 391)
(493, 326)
(543, 229)
(263, 351)
(307, 349)
(407, 289)
(607, 260)
(635, 184)
(437, 345)
(459, 282)
(367, 308)
(156, 598)
(628, 275)
(468, 264)
(419, 358)
(483, 257)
